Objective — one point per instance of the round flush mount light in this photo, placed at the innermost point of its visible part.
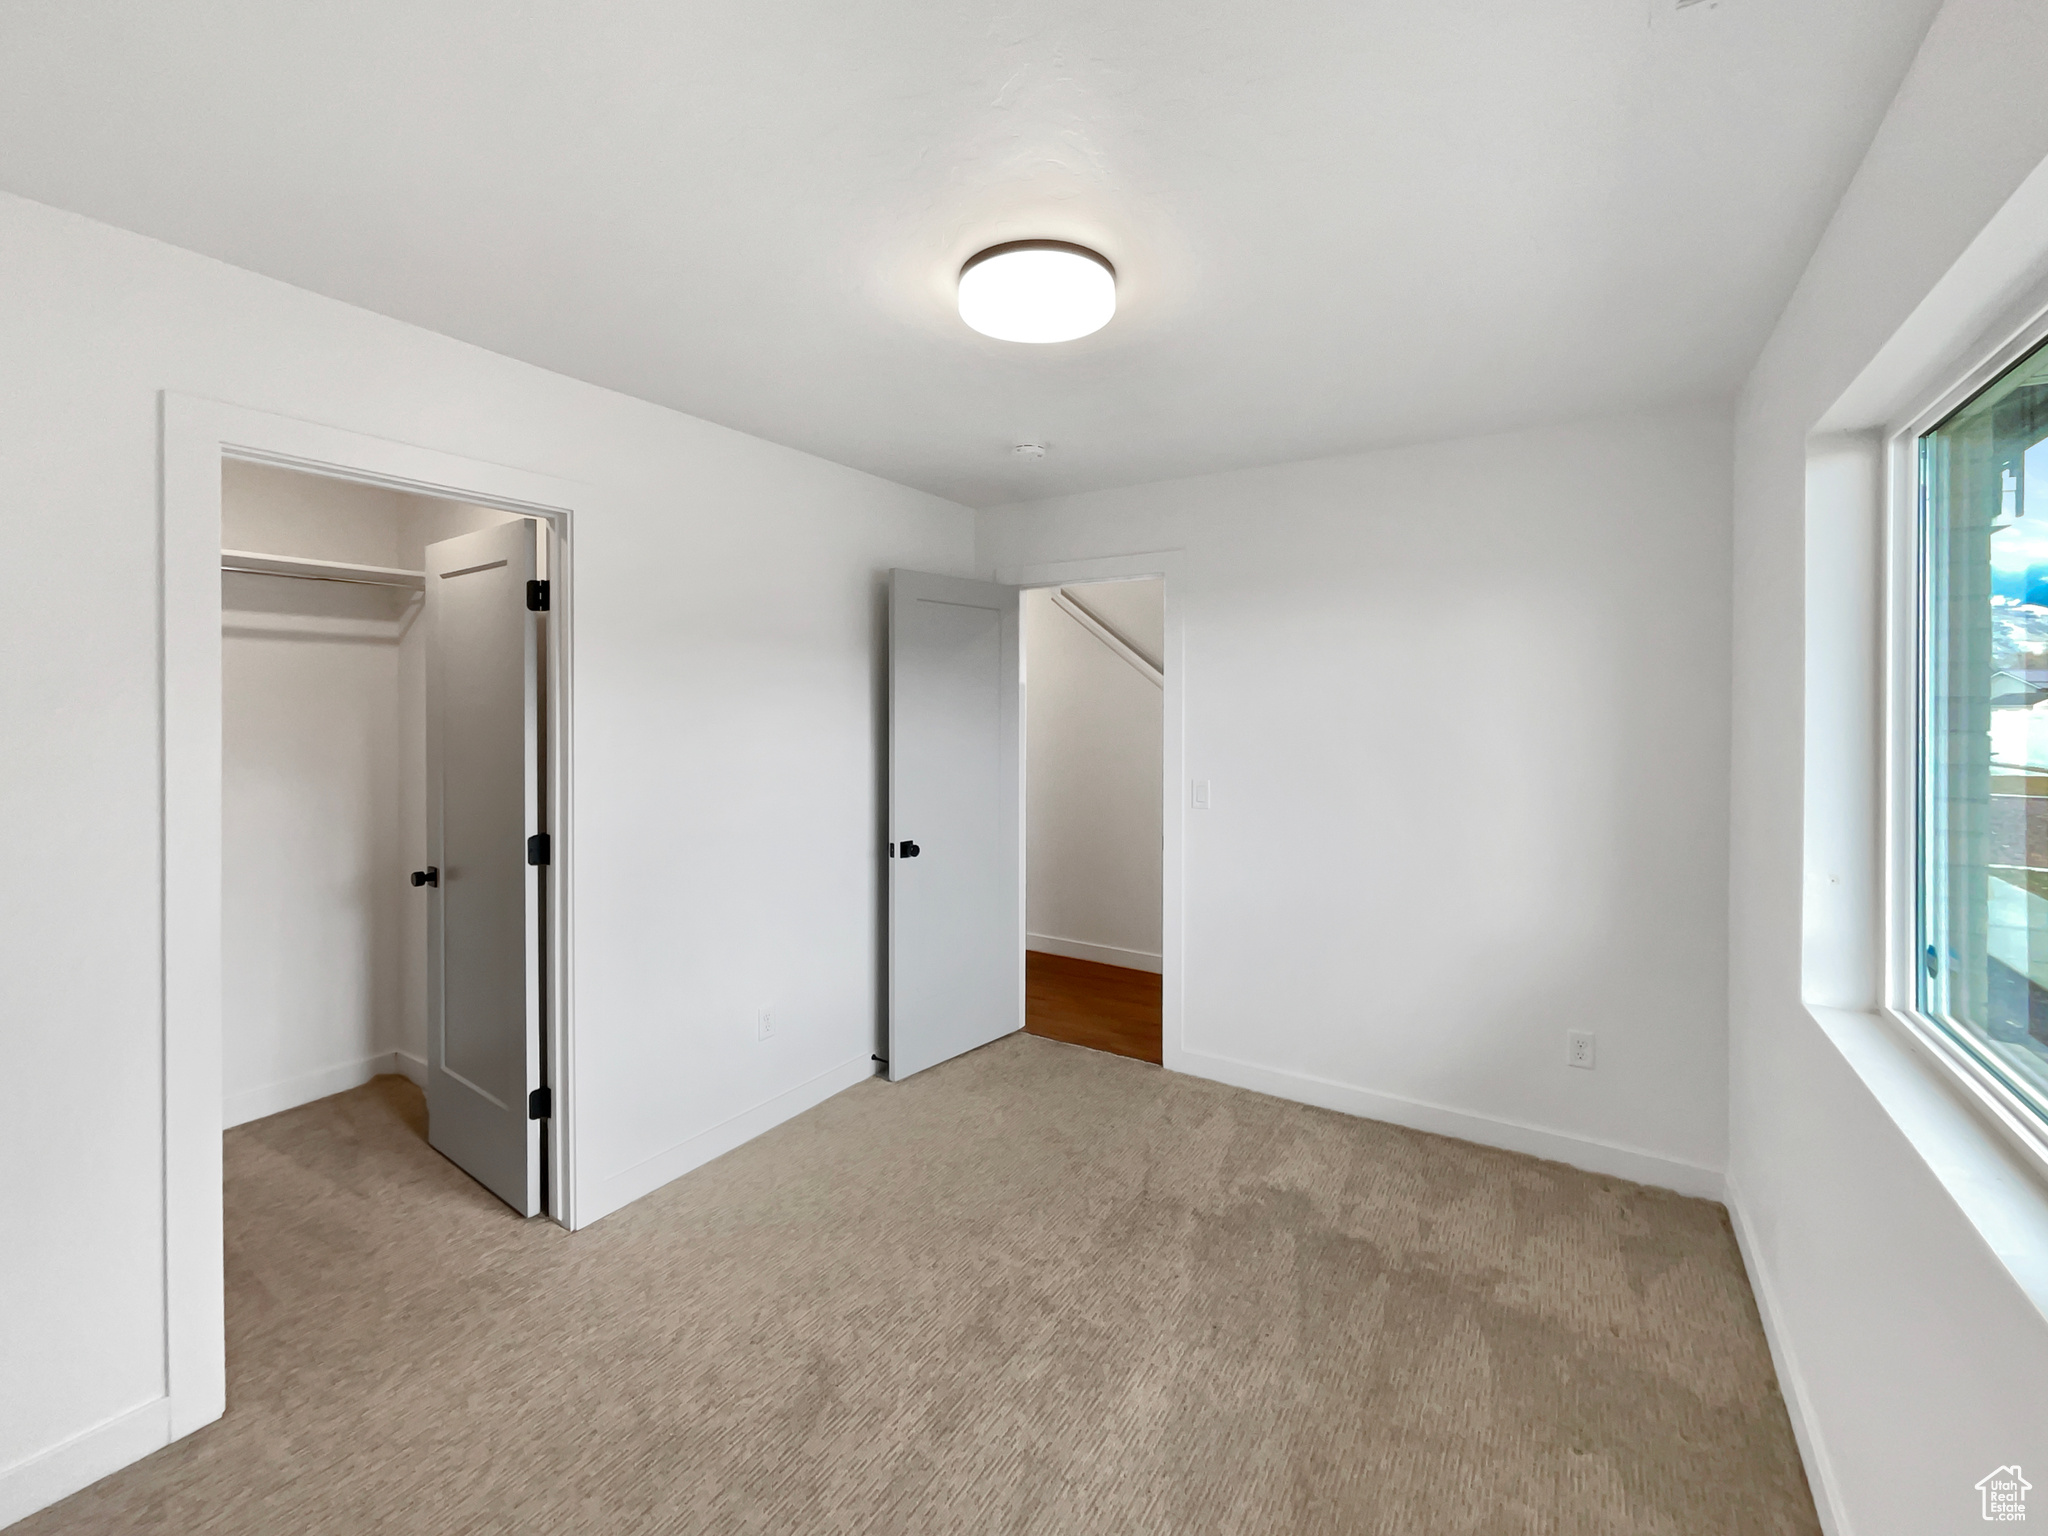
(1037, 291)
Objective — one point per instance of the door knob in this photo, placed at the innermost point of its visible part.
(909, 850)
(428, 876)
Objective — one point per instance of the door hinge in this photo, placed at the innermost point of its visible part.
(537, 596)
(540, 849)
(540, 1104)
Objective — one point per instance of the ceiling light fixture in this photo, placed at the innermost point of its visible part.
(1038, 291)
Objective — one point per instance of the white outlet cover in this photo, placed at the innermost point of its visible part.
(1578, 1049)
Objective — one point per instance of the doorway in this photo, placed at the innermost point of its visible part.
(955, 838)
(1095, 700)
(384, 751)
(198, 436)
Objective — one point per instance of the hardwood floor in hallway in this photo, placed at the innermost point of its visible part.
(1083, 1002)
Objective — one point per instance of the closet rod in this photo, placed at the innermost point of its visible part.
(252, 563)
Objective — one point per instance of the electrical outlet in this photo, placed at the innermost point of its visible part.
(1578, 1048)
(764, 1026)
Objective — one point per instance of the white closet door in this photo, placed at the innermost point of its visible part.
(483, 826)
(956, 933)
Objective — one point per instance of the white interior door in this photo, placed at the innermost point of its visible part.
(483, 837)
(956, 934)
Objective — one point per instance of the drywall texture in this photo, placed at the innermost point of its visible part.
(1915, 1354)
(728, 600)
(1464, 712)
(1092, 765)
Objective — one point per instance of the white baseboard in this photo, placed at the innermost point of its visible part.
(1820, 1473)
(1102, 954)
(83, 1460)
(1595, 1156)
(275, 1098)
(600, 1197)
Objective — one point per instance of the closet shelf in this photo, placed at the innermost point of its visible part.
(320, 570)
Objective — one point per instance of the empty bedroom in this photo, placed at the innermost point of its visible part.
(1038, 767)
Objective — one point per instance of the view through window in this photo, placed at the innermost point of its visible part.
(1983, 782)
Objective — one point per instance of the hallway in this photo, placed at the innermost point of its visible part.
(1083, 1002)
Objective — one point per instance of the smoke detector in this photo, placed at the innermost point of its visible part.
(1029, 450)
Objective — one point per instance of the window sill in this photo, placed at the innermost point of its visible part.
(1998, 1187)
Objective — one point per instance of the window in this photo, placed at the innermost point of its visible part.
(1982, 793)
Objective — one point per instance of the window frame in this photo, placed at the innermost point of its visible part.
(2018, 1120)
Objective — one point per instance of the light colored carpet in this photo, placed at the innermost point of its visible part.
(1037, 1289)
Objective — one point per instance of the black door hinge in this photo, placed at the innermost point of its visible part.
(540, 1104)
(540, 849)
(537, 596)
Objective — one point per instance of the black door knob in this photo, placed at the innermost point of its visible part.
(910, 850)
(428, 876)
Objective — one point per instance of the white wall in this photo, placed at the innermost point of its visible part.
(1464, 710)
(1898, 1248)
(729, 602)
(313, 914)
(1092, 796)
(276, 511)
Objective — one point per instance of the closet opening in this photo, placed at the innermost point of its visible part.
(386, 848)
(1094, 802)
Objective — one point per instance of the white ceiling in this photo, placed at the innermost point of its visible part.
(1337, 223)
